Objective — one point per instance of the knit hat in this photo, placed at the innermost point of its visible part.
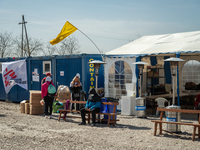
(48, 74)
(48, 79)
(78, 75)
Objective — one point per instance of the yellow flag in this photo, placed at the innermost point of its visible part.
(67, 29)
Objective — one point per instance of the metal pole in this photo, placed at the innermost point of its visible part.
(22, 40)
(96, 82)
(140, 83)
(140, 86)
(26, 35)
(22, 23)
(93, 43)
(173, 78)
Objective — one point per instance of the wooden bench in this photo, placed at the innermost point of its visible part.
(111, 116)
(178, 123)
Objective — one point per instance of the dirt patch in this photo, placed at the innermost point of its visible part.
(24, 131)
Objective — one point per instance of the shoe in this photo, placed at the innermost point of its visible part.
(82, 123)
(50, 117)
(92, 125)
(46, 116)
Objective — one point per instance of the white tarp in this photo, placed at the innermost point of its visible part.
(13, 73)
(112, 89)
(187, 42)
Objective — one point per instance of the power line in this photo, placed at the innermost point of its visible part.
(52, 28)
(106, 31)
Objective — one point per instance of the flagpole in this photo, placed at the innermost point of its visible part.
(93, 43)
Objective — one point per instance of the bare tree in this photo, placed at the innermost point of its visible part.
(70, 45)
(35, 46)
(50, 49)
(6, 43)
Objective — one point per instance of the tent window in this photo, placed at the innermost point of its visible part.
(191, 72)
(120, 73)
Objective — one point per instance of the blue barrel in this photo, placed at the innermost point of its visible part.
(108, 108)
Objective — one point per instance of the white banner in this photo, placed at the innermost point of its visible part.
(13, 73)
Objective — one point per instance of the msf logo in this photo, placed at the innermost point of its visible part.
(10, 74)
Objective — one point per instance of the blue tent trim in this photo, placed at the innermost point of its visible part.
(137, 71)
(142, 55)
(178, 55)
(167, 69)
(153, 63)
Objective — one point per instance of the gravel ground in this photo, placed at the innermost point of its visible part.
(24, 131)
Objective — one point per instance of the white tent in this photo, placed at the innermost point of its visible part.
(186, 44)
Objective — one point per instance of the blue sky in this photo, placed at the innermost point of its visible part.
(109, 23)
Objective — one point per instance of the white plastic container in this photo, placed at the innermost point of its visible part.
(128, 105)
(130, 89)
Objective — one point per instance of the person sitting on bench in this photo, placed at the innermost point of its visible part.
(93, 105)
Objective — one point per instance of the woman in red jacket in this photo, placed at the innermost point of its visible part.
(47, 98)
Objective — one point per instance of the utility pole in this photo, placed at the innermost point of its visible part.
(23, 23)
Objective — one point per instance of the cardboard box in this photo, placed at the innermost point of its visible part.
(35, 97)
(22, 105)
(64, 96)
(27, 108)
(152, 74)
(36, 110)
(153, 67)
(159, 66)
(36, 104)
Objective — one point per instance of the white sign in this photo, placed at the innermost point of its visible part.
(13, 73)
(35, 78)
(61, 73)
(35, 75)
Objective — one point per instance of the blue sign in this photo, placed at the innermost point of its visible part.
(140, 108)
(171, 119)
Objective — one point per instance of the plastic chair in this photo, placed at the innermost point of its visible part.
(161, 103)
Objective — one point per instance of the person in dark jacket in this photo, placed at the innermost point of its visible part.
(75, 87)
(93, 105)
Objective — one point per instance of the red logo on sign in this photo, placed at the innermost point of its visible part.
(10, 73)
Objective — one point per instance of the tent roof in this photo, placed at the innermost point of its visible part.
(187, 42)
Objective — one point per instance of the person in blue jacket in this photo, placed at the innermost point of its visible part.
(93, 105)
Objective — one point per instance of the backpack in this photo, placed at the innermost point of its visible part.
(51, 90)
(43, 81)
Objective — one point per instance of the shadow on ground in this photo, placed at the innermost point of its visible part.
(2, 115)
(182, 135)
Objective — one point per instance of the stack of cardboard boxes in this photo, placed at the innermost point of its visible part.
(22, 105)
(35, 107)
